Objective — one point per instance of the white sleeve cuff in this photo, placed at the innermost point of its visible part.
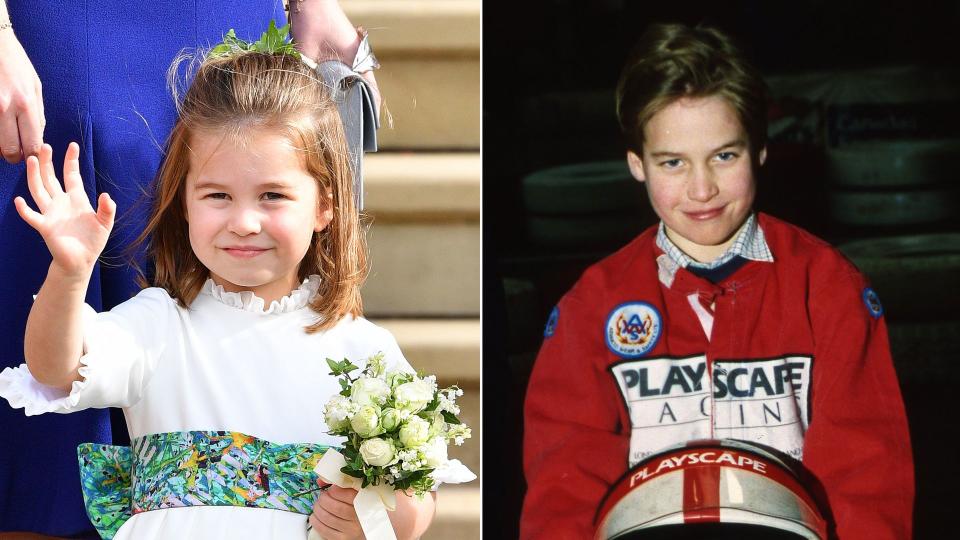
(22, 391)
(110, 368)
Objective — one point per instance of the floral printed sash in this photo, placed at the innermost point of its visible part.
(196, 468)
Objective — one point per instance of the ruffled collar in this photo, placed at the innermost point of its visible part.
(248, 301)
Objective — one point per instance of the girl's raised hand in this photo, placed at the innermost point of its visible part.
(74, 233)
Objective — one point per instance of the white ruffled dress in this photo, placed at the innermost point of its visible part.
(227, 363)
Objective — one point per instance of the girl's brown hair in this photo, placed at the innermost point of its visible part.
(233, 95)
(673, 61)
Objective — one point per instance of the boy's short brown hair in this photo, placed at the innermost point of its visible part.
(673, 61)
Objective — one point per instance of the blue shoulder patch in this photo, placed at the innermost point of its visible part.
(551, 326)
(872, 301)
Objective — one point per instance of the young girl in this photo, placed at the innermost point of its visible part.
(258, 258)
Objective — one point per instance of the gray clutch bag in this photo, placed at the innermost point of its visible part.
(358, 112)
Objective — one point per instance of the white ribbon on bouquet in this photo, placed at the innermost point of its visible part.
(371, 504)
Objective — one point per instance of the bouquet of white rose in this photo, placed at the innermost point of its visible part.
(397, 424)
(397, 427)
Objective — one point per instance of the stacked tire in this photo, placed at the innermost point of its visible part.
(916, 278)
(894, 183)
(896, 193)
(593, 205)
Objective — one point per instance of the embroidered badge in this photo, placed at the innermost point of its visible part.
(633, 329)
(551, 326)
(872, 301)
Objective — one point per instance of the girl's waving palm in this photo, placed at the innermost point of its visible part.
(74, 233)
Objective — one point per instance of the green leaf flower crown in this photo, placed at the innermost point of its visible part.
(273, 41)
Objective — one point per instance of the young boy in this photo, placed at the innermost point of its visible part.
(718, 323)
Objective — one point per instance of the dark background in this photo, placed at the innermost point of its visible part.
(841, 73)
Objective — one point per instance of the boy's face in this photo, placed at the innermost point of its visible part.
(698, 170)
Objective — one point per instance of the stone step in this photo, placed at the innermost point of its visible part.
(437, 26)
(429, 51)
(447, 348)
(407, 186)
(425, 239)
(424, 269)
(458, 514)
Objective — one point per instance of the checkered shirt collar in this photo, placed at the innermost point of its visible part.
(750, 243)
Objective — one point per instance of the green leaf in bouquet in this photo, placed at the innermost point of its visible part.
(351, 472)
(424, 483)
(355, 461)
(451, 418)
(396, 378)
(349, 366)
(432, 406)
(334, 367)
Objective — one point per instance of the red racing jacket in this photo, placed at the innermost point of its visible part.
(792, 354)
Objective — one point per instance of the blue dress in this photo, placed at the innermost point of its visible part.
(103, 68)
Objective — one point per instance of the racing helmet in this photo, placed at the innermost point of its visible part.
(711, 489)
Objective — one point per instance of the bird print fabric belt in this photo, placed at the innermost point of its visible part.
(195, 468)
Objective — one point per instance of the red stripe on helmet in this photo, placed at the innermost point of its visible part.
(701, 495)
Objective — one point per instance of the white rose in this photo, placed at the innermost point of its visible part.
(375, 365)
(336, 413)
(390, 419)
(437, 423)
(378, 452)
(414, 396)
(366, 422)
(369, 391)
(435, 452)
(396, 378)
(414, 432)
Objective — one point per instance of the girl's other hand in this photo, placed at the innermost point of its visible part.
(334, 517)
(74, 233)
(21, 101)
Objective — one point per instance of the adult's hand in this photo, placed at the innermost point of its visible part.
(21, 102)
(322, 31)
